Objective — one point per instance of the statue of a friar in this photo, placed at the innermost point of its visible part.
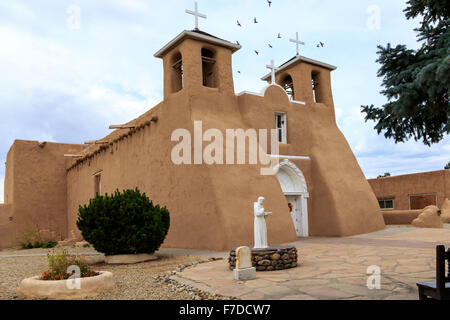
(260, 224)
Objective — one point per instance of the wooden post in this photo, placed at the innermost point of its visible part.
(73, 155)
(96, 142)
(122, 126)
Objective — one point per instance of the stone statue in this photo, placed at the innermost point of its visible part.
(260, 227)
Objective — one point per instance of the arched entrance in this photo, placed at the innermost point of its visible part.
(294, 187)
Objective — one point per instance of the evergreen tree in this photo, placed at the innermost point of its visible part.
(416, 82)
(387, 174)
(447, 167)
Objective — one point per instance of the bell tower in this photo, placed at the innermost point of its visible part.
(306, 80)
(195, 60)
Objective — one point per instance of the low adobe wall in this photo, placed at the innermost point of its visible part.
(8, 236)
(5, 214)
(400, 216)
(400, 188)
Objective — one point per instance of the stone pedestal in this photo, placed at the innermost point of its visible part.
(270, 259)
(244, 274)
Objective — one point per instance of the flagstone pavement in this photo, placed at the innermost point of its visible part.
(335, 268)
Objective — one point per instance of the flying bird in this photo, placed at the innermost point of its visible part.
(255, 21)
(270, 46)
(321, 44)
(239, 24)
(269, 2)
(257, 53)
(237, 42)
(279, 36)
(239, 71)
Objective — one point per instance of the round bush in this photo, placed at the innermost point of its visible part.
(123, 223)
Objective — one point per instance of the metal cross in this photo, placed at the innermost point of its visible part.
(273, 70)
(196, 14)
(297, 42)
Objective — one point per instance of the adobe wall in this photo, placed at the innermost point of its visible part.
(35, 189)
(211, 207)
(341, 200)
(5, 213)
(8, 235)
(9, 181)
(395, 217)
(401, 187)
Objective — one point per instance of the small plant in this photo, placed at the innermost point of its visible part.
(386, 175)
(86, 245)
(59, 261)
(45, 245)
(123, 223)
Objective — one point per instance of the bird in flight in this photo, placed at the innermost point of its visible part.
(237, 42)
(321, 44)
(239, 71)
(239, 24)
(255, 21)
(279, 36)
(257, 53)
(269, 2)
(270, 46)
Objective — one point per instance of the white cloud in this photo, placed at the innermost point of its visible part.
(133, 5)
(18, 10)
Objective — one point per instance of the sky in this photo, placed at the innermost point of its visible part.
(69, 69)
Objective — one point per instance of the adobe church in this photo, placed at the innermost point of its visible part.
(318, 189)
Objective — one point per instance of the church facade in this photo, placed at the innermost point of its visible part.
(318, 188)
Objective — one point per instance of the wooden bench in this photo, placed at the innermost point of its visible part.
(439, 290)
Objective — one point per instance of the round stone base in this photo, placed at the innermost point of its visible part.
(130, 258)
(269, 259)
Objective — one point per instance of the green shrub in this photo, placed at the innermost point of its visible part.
(123, 223)
(37, 244)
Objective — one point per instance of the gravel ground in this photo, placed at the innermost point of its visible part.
(143, 281)
(70, 249)
(14, 270)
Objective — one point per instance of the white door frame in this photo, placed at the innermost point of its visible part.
(302, 202)
(299, 188)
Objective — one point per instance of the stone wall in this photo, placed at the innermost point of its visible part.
(270, 259)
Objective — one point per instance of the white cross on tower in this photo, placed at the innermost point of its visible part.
(297, 42)
(196, 14)
(273, 69)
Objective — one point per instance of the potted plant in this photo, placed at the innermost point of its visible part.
(127, 227)
(68, 277)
